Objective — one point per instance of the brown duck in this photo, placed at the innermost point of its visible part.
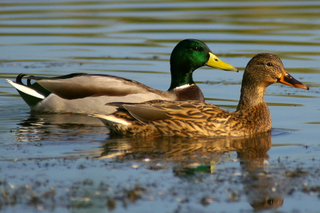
(193, 118)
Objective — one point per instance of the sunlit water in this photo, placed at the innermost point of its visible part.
(74, 155)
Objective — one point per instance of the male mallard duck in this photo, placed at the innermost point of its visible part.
(88, 94)
(193, 118)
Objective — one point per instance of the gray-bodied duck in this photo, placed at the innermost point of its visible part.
(194, 118)
(89, 93)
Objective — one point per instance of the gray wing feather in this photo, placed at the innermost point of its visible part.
(145, 113)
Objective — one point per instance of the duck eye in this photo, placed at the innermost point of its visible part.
(270, 201)
(269, 64)
(196, 48)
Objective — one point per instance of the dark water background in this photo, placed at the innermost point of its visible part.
(65, 163)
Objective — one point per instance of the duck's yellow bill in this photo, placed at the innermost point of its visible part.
(287, 79)
(215, 62)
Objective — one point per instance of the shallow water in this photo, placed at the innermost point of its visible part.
(64, 163)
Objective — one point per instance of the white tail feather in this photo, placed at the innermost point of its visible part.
(111, 119)
(26, 90)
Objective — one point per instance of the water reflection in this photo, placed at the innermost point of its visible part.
(262, 188)
(58, 127)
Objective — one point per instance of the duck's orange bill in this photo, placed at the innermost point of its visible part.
(287, 79)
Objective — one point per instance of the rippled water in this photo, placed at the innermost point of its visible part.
(74, 156)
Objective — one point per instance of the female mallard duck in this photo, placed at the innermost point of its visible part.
(88, 94)
(193, 118)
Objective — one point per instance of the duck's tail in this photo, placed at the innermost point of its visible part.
(113, 123)
(32, 94)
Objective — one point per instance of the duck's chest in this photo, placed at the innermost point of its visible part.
(188, 92)
(251, 121)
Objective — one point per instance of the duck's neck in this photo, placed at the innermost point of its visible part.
(179, 79)
(253, 108)
(251, 96)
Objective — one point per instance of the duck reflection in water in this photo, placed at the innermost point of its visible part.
(262, 188)
(58, 127)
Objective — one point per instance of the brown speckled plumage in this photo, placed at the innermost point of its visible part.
(194, 119)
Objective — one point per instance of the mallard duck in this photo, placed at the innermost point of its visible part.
(194, 118)
(88, 94)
